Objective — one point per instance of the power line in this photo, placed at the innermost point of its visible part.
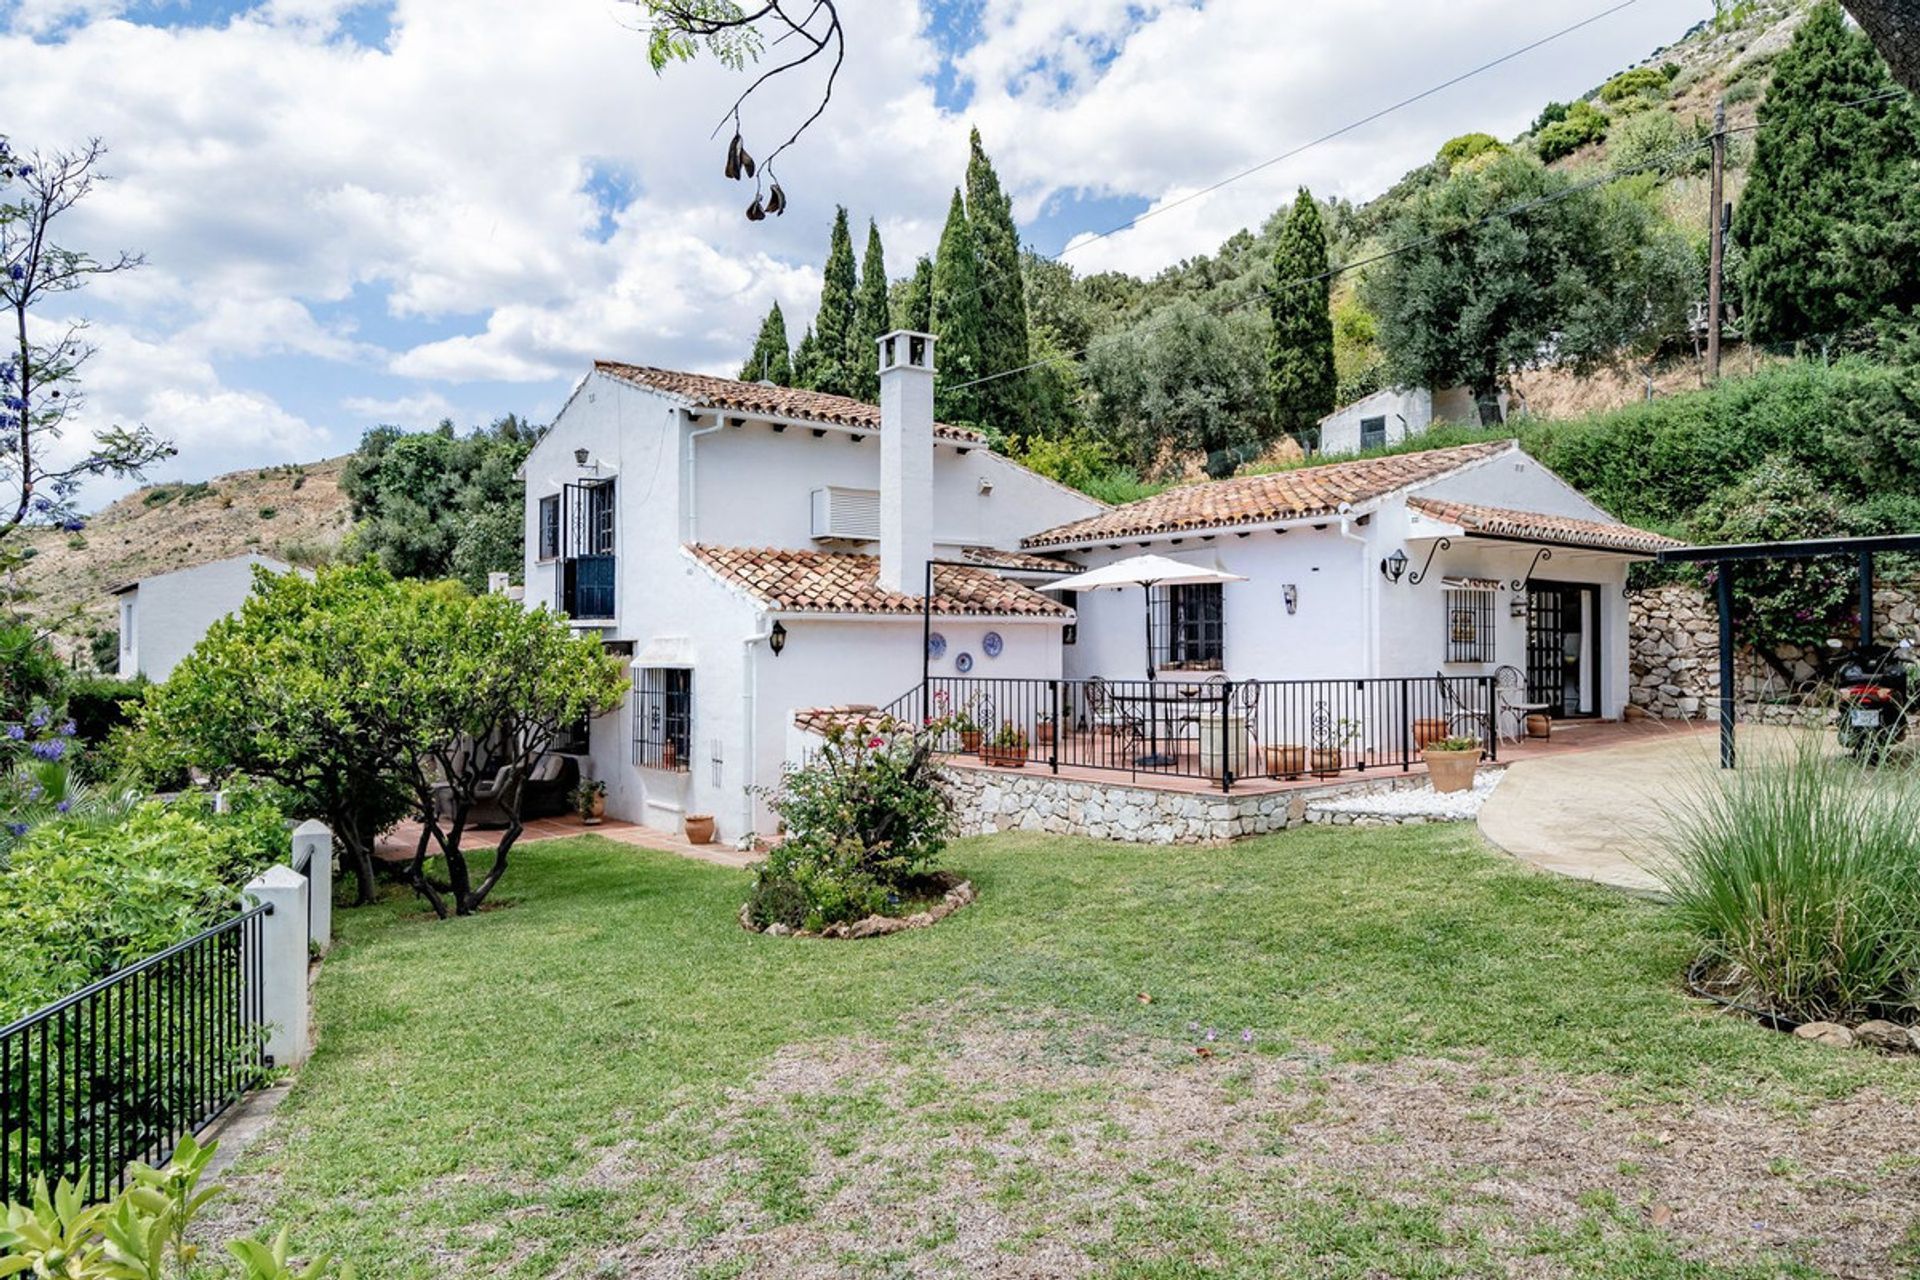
(1511, 211)
(1344, 129)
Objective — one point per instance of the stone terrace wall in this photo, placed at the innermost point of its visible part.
(1674, 671)
(989, 801)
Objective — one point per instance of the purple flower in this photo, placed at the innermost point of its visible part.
(39, 718)
(16, 732)
(68, 729)
(50, 750)
(16, 271)
(1246, 1036)
(63, 806)
(1212, 1035)
(18, 828)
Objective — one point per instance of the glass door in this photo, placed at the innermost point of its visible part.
(1563, 648)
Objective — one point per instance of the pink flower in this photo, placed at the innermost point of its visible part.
(874, 742)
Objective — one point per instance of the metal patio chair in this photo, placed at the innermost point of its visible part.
(1513, 707)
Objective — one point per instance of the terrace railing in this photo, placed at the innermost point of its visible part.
(120, 1070)
(1223, 731)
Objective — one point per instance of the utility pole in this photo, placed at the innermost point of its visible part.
(1717, 256)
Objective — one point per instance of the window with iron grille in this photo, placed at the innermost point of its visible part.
(663, 718)
(1373, 432)
(550, 527)
(1190, 630)
(1469, 625)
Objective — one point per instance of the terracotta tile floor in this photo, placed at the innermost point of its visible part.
(398, 844)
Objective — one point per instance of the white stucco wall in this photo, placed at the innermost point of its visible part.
(1408, 411)
(752, 486)
(165, 616)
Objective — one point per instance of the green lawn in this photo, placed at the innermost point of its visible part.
(1457, 1066)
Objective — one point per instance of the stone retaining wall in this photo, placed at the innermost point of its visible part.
(989, 801)
(1674, 667)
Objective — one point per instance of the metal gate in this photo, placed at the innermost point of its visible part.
(1546, 648)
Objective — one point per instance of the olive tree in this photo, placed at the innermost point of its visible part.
(492, 686)
(304, 687)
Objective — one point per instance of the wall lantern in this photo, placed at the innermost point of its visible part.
(1290, 595)
(579, 457)
(1394, 567)
(777, 638)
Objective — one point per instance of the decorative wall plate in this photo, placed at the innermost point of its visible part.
(963, 663)
(991, 644)
(936, 645)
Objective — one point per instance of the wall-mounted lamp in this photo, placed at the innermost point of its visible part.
(580, 457)
(1290, 596)
(777, 638)
(1394, 567)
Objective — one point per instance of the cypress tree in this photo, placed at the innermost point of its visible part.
(770, 359)
(1300, 375)
(869, 320)
(955, 319)
(913, 298)
(806, 361)
(1830, 222)
(833, 328)
(1007, 403)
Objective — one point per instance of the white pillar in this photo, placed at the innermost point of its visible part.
(283, 962)
(906, 460)
(313, 841)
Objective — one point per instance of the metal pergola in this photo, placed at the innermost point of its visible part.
(1725, 558)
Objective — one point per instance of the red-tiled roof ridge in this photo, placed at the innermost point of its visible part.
(1294, 494)
(790, 580)
(767, 398)
(1540, 526)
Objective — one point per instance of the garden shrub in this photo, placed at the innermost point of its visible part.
(1641, 82)
(98, 705)
(85, 896)
(1799, 878)
(865, 819)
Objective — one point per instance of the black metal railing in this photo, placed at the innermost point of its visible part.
(663, 719)
(586, 587)
(121, 1070)
(1221, 730)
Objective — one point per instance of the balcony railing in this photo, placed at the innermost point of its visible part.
(586, 587)
(1221, 730)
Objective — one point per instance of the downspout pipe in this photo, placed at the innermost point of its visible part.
(691, 520)
(1368, 621)
(750, 700)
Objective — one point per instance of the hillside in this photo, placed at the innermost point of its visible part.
(296, 512)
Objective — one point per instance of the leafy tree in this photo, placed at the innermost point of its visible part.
(1645, 83)
(303, 687)
(869, 319)
(1300, 374)
(39, 374)
(1183, 378)
(1468, 146)
(833, 327)
(1482, 289)
(911, 300)
(806, 360)
(1582, 125)
(1830, 225)
(957, 321)
(1006, 402)
(770, 360)
(490, 686)
(435, 504)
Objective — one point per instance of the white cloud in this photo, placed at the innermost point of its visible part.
(418, 412)
(272, 170)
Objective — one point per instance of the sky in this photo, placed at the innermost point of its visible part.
(357, 212)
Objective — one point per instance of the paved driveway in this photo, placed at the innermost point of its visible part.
(1603, 815)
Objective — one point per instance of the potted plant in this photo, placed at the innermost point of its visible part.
(1007, 749)
(1286, 760)
(590, 801)
(669, 754)
(969, 730)
(699, 828)
(1451, 763)
(1043, 730)
(1330, 751)
(1428, 731)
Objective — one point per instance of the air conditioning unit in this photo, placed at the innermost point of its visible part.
(846, 515)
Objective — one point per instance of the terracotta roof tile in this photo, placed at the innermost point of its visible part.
(828, 582)
(759, 397)
(1536, 526)
(822, 720)
(1300, 493)
(995, 558)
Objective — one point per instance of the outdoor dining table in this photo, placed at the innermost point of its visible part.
(1160, 695)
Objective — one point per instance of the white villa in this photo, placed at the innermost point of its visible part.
(163, 617)
(762, 554)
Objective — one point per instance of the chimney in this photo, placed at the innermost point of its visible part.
(906, 460)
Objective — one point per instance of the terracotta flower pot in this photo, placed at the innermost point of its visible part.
(1013, 757)
(970, 741)
(1043, 734)
(1426, 731)
(1286, 760)
(1451, 770)
(699, 828)
(1539, 725)
(1327, 761)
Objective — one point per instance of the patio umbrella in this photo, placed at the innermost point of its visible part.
(1145, 572)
